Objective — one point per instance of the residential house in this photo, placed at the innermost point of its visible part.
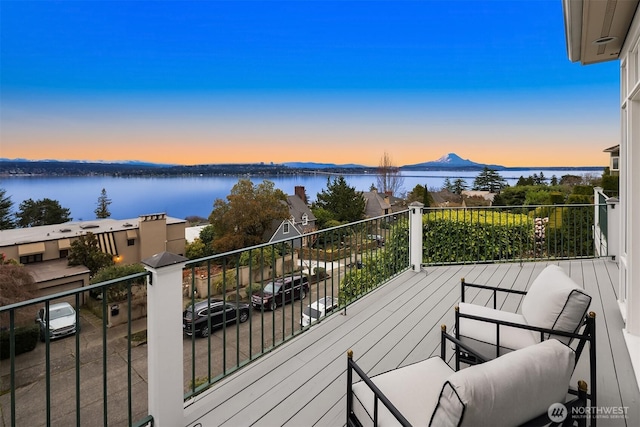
(598, 31)
(301, 220)
(376, 204)
(477, 198)
(44, 249)
(614, 159)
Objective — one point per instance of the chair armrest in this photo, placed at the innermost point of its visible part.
(379, 395)
(542, 331)
(444, 337)
(494, 289)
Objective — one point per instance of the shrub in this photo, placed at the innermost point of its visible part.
(569, 232)
(319, 273)
(611, 184)
(119, 291)
(254, 287)
(584, 190)
(224, 282)
(481, 235)
(26, 338)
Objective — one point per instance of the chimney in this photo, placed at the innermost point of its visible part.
(299, 191)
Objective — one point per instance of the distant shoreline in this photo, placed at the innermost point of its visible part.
(79, 169)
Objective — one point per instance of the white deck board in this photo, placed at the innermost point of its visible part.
(303, 383)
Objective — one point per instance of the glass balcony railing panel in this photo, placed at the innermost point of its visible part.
(242, 304)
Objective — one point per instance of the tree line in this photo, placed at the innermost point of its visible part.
(34, 213)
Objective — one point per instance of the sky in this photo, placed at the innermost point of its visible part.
(199, 82)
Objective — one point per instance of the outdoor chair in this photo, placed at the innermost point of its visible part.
(518, 388)
(553, 307)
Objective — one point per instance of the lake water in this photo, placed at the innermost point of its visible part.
(180, 197)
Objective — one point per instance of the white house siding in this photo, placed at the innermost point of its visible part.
(629, 279)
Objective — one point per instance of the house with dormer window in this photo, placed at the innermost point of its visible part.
(301, 220)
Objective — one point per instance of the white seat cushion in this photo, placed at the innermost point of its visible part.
(485, 332)
(508, 390)
(413, 389)
(555, 301)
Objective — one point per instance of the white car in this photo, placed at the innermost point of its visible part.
(318, 309)
(62, 321)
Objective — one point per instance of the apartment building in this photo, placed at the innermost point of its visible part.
(43, 250)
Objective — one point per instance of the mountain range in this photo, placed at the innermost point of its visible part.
(450, 161)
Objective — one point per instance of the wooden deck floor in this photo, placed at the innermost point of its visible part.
(303, 383)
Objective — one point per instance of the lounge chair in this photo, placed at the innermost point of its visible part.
(553, 307)
(517, 388)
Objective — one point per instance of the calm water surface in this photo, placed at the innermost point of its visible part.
(185, 196)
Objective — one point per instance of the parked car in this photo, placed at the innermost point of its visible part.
(62, 321)
(281, 291)
(318, 309)
(197, 319)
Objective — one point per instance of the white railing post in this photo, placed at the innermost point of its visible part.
(164, 339)
(415, 235)
(613, 227)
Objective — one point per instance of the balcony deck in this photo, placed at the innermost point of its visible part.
(303, 383)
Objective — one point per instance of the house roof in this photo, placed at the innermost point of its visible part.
(297, 208)
(66, 230)
(375, 204)
(486, 195)
(54, 269)
(614, 149)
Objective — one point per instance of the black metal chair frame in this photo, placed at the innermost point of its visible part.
(580, 401)
(588, 335)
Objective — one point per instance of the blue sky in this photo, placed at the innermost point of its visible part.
(248, 81)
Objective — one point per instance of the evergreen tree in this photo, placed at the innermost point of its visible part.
(86, 251)
(489, 180)
(6, 218)
(459, 185)
(344, 202)
(447, 184)
(427, 200)
(421, 194)
(41, 212)
(102, 211)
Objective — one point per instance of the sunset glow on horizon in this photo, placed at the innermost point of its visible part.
(274, 82)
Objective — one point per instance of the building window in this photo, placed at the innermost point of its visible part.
(30, 259)
(285, 228)
(305, 219)
(131, 242)
(64, 253)
(615, 163)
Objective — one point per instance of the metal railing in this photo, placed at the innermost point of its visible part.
(98, 374)
(342, 263)
(504, 234)
(76, 379)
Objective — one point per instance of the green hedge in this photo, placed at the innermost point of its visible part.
(26, 339)
(476, 236)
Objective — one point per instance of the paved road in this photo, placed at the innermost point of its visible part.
(31, 379)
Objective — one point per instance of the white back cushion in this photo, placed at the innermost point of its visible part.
(555, 301)
(509, 390)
